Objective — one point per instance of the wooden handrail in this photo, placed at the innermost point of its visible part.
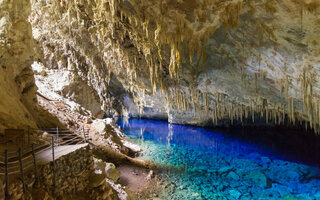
(27, 151)
(16, 162)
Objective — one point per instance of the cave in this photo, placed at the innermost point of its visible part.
(159, 99)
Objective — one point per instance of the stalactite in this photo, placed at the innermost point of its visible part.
(252, 110)
(256, 81)
(301, 13)
(204, 56)
(292, 115)
(241, 116)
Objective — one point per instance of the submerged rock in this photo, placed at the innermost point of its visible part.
(258, 178)
(265, 160)
(306, 197)
(289, 197)
(317, 195)
(235, 194)
(283, 190)
(232, 175)
(224, 169)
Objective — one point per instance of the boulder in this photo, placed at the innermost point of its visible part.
(224, 169)
(99, 125)
(291, 175)
(289, 197)
(43, 73)
(112, 172)
(99, 166)
(95, 180)
(258, 178)
(265, 160)
(235, 194)
(107, 169)
(105, 128)
(283, 190)
(233, 176)
(317, 195)
(305, 196)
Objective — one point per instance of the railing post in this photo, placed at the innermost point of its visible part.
(58, 135)
(28, 135)
(84, 135)
(6, 173)
(53, 167)
(35, 167)
(21, 171)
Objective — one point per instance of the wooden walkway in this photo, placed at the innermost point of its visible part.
(46, 156)
(62, 137)
(14, 164)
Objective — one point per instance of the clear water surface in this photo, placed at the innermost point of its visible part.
(209, 165)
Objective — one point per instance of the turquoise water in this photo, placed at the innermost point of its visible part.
(209, 165)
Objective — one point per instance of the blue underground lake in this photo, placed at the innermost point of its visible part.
(211, 165)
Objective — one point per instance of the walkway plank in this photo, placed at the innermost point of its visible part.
(46, 156)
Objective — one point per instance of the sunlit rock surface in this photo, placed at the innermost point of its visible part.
(17, 87)
(63, 85)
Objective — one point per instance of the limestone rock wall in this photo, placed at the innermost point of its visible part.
(80, 92)
(17, 87)
(64, 85)
(18, 50)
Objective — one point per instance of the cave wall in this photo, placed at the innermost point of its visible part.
(219, 62)
(17, 87)
(70, 40)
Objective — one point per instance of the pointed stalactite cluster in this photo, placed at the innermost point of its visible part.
(203, 102)
(157, 39)
(307, 79)
(221, 108)
(180, 38)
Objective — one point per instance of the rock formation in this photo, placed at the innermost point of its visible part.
(17, 88)
(18, 104)
(191, 62)
(201, 62)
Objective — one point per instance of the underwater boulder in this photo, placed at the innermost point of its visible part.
(284, 172)
(291, 175)
(233, 176)
(265, 160)
(224, 169)
(283, 190)
(257, 177)
(305, 196)
(317, 195)
(235, 194)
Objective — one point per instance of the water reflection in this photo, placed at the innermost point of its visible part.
(170, 134)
